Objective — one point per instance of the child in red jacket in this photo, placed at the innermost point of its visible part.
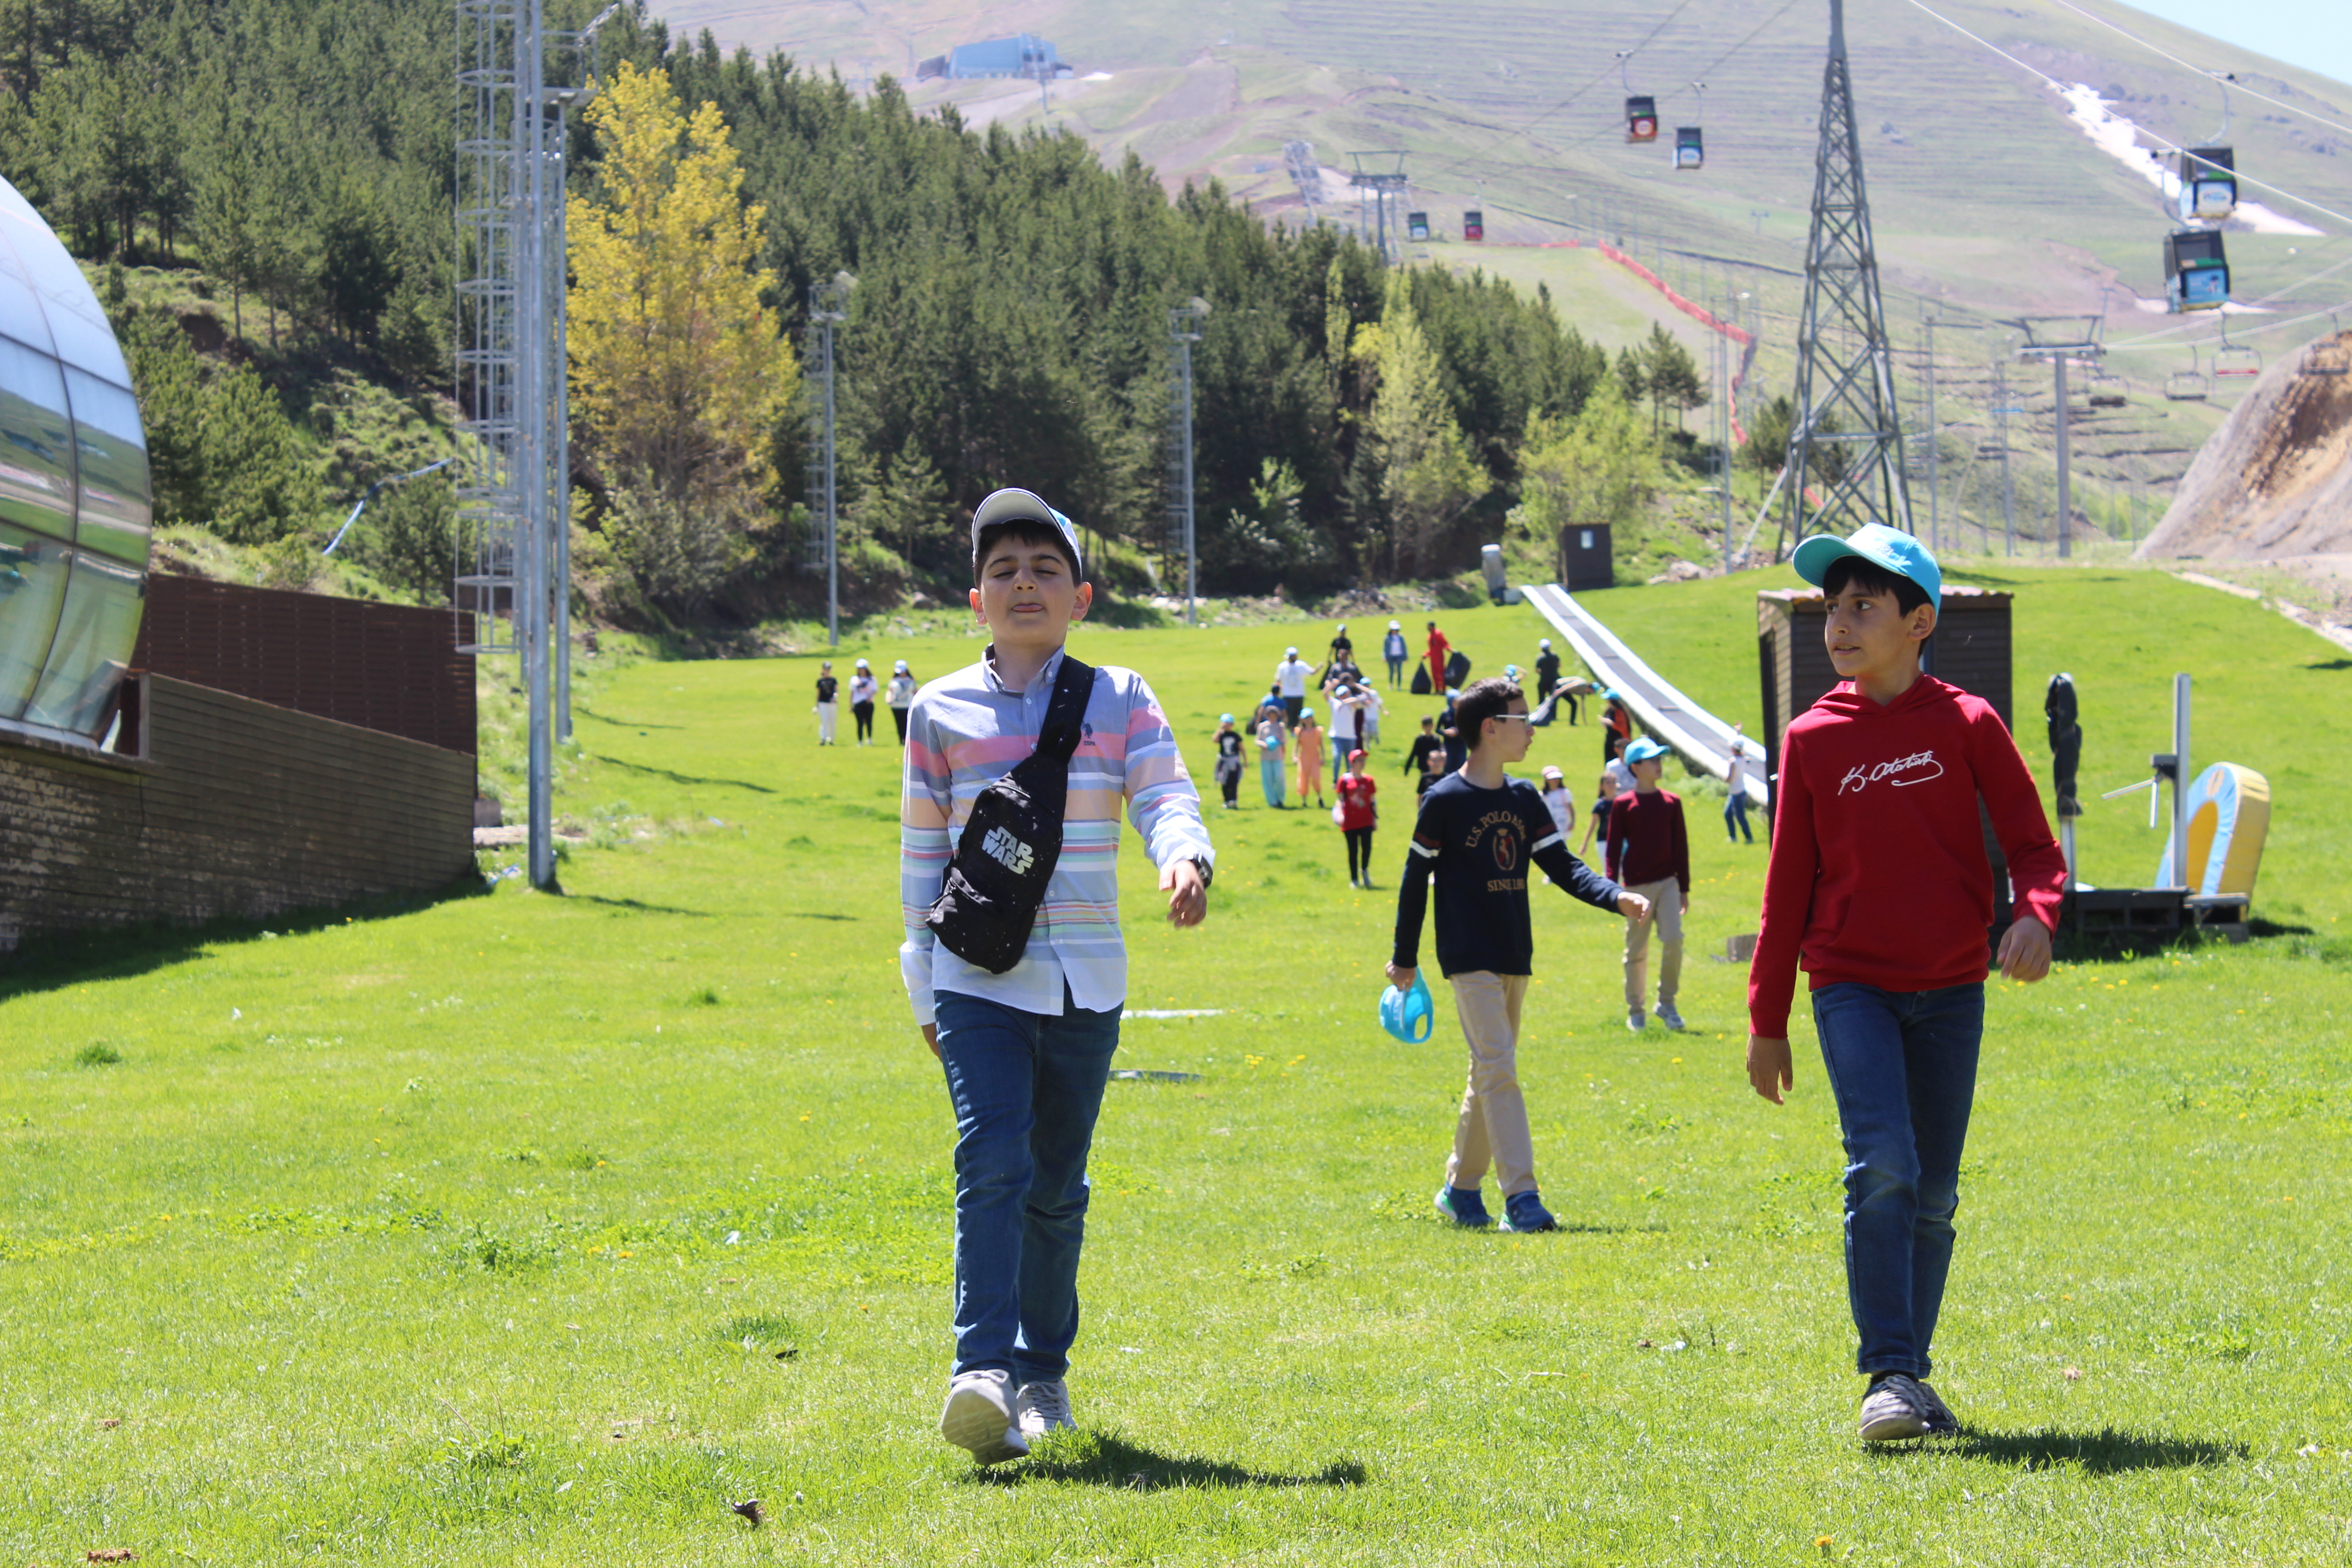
(1648, 852)
(1879, 882)
(1357, 816)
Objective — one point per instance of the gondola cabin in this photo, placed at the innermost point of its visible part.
(1690, 148)
(1641, 120)
(2195, 270)
(1474, 225)
(1416, 225)
(2208, 182)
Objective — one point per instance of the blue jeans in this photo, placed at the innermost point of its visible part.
(1735, 818)
(1902, 1066)
(1027, 1089)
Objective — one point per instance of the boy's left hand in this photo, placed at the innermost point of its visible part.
(2025, 949)
(1188, 896)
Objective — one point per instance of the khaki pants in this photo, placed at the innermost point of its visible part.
(1493, 1126)
(1666, 913)
(825, 715)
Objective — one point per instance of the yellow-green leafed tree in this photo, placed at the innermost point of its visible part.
(678, 372)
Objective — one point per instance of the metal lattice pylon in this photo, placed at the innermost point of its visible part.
(1845, 448)
(513, 567)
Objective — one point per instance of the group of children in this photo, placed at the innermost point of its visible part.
(863, 688)
(1878, 887)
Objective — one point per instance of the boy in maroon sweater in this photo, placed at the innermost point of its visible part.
(1647, 852)
(1879, 882)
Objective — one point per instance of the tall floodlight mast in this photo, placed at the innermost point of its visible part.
(513, 573)
(1847, 441)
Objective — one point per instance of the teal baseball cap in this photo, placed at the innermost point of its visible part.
(1643, 750)
(1882, 546)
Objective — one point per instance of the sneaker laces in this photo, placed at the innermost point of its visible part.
(1049, 1400)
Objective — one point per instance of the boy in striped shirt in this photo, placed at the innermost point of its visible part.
(1027, 1052)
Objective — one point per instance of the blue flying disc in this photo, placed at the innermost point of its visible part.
(1404, 1012)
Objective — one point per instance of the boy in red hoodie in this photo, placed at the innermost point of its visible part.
(1879, 881)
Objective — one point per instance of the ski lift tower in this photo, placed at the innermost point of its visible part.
(1381, 177)
(1298, 160)
(518, 80)
(2062, 340)
(1847, 441)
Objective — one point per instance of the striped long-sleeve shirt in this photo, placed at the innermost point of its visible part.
(965, 732)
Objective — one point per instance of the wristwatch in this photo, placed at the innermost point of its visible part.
(1207, 872)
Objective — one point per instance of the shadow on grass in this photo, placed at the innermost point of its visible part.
(2330, 664)
(2106, 1452)
(623, 724)
(1104, 1459)
(676, 777)
(53, 960)
(633, 906)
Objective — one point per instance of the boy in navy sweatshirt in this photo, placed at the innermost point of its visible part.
(1879, 883)
(1478, 832)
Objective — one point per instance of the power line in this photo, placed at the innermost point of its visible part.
(1529, 128)
(2176, 59)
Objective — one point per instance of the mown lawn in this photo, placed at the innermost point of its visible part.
(531, 1228)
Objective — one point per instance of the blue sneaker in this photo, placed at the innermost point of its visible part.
(1464, 1208)
(1524, 1212)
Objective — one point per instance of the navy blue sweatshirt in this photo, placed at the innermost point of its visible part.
(1478, 843)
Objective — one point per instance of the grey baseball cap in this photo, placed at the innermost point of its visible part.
(1025, 506)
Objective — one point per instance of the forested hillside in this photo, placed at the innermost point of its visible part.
(1008, 323)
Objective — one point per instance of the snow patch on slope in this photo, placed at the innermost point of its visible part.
(2119, 139)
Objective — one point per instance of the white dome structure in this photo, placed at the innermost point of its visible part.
(74, 499)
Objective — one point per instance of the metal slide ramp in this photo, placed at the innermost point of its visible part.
(1697, 736)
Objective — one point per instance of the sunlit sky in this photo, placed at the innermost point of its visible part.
(2313, 33)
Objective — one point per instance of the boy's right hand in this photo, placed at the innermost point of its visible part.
(1769, 1068)
(932, 1038)
(1400, 977)
(1634, 907)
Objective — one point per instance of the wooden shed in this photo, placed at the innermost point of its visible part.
(1970, 649)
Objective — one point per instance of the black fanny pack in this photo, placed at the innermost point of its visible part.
(1013, 840)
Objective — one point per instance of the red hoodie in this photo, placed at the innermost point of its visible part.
(1878, 872)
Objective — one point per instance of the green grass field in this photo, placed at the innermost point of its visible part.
(527, 1228)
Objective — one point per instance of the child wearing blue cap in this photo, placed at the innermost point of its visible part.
(1477, 833)
(1879, 885)
(1647, 851)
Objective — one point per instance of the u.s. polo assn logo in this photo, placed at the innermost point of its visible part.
(1008, 851)
(1917, 765)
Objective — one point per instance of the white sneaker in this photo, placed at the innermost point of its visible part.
(1669, 1017)
(1043, 1407)
(979, 1416)
(1634, 1021)
(1894, 1410)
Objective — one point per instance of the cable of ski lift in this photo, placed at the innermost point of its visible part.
(1598, 77)
(2176, 59)
(2163, 144)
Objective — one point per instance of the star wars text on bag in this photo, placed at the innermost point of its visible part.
(1012, 839)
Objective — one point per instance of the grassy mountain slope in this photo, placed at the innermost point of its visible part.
(1988, 201)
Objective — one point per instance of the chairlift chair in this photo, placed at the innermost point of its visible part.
(1690, 149)
(1416, 227)
(1474, 225)
(2186, 385)
(2208, 182)
(2236, 360)
(2195, 270)
(2329, 355)
(1641, 120)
